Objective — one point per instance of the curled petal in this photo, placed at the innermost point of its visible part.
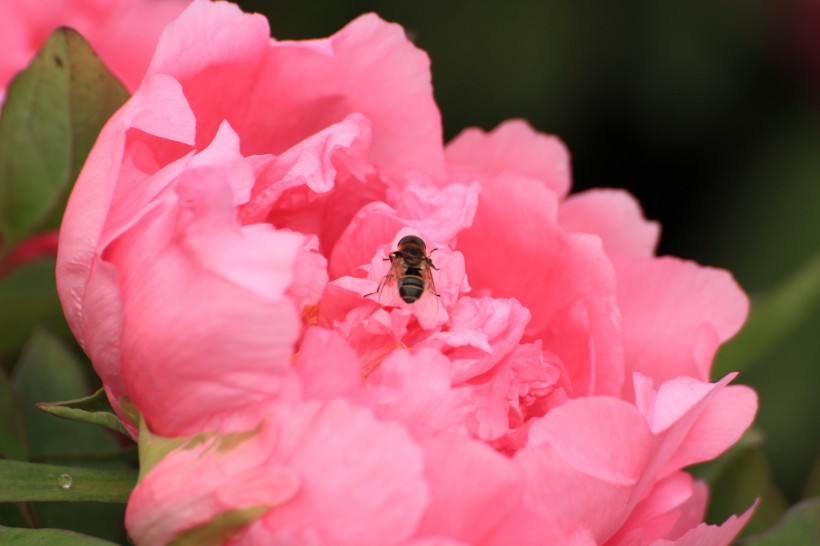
(368, 489)
(675, 314)
(615, 217)
(711, 535)
(514, 147)
(189, 250)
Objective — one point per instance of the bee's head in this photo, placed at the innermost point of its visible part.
(412, 240)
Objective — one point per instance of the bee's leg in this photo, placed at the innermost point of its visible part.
(429, 261)
(431, 287)
(386, 279)
(432, 284)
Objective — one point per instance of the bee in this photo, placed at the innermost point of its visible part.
(411, 267)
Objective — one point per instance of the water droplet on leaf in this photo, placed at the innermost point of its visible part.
(65, 481)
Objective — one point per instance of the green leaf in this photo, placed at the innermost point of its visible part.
(47, 370)
(153, 448)
(710, 471)
(94, 409)
(772, 318)
(13, 439)
(813, 482)
(28, 299)
(11, 536)
(799, 527)
(24, 482)
(220, 528)
(741, 482)
(53, 112)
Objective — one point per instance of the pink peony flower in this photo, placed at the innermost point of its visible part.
(123, 32)
(550, 388)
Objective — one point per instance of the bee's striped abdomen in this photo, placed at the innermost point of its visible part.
(411, 285)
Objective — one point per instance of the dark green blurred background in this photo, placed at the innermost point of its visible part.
(709, 112)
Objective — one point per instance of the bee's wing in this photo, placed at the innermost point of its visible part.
(387, 281)
(428, 309)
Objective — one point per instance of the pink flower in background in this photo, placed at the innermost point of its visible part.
(213, 261)
(124, 33)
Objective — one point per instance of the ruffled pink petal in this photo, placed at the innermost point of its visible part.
(592, 454)
(692, 511)
(189, 251)
(675, 314)
(537, 379)
(197, 484)
(105, 199)
(218, 43)
(157, 128)
(481, 331)
(694, 421)
(310, 164)
(368, 67)
(440, 212)
(656, 515)
(77, 247)
(712, 535)
(565, 280)
(473, 489)
(523, 527)
(330, 472)
(414, 388)
(371, 228)
(488, 418)
(422, 207)
(615, 217)
(512, 147)
(729, 413)
(309, 276)
(327, 366)
(362, 479)
(435, 541)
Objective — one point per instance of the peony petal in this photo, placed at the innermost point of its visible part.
(514, 147)
(712, 535)
(368, 489)
(160, 108)
(82, 223)
(481, 332)
(615, 217)
(692, 511)
(658, 513)
(415, 390)
(310, 164)
(368, 67)
(200, 483)
(327, 365)
(473, 489)
(589, 448)
(566, 281)
(695, 421)
(671, 308)
(191, 254)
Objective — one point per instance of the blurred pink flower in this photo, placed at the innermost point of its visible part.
(213, 259)
(124, 33)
